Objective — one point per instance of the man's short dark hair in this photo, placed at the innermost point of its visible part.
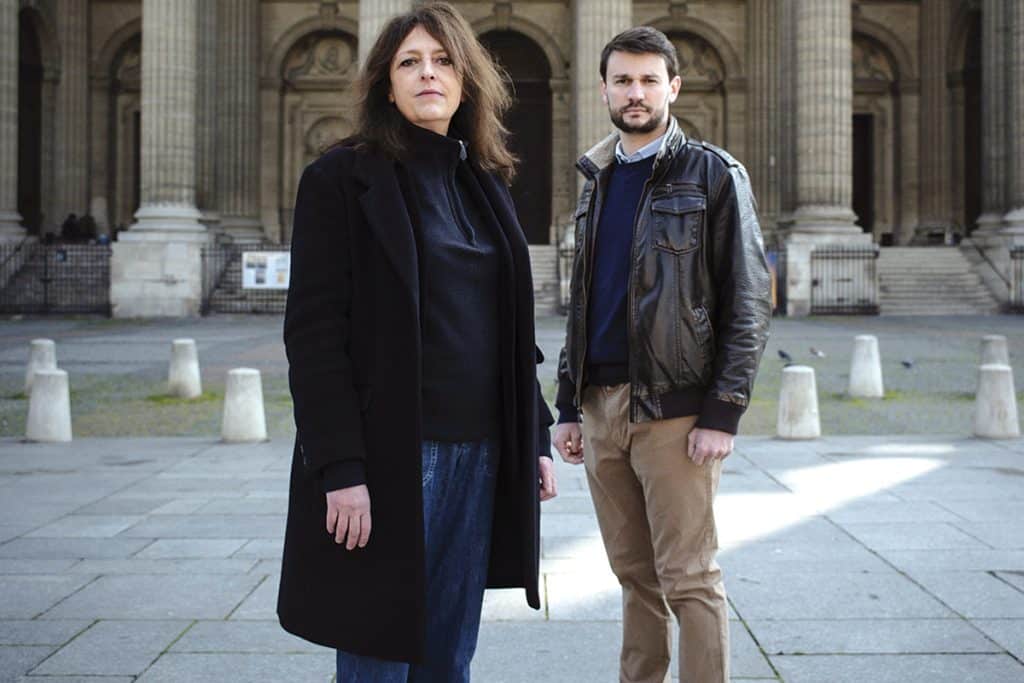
(642, 40)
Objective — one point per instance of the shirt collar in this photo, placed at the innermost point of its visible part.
(648, 150)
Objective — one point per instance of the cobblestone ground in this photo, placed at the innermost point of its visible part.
(118, 372)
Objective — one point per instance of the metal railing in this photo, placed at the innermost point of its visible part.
(844, 280)
(41, 279)
(1017, 279)
(227, 288)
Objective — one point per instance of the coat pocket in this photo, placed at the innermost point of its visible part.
(678, 222)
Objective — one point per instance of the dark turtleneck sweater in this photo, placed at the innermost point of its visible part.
(459, 289)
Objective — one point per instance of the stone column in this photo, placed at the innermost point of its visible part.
(595, 22)
(763, 52)
(238, 118)
(373, 15)
(935, 206)
(993, 116)
(823, 137)
(156, 269)
(824, 118)
(1014, 220)
(71, 148)
(10, 219)
(207, 100)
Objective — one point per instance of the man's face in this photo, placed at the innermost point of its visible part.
(638, 91)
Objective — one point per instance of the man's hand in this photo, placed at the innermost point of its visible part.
(348, 516)
(548, 484)
(569, 442)
(705, 445)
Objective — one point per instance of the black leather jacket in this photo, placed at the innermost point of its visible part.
(699, 292)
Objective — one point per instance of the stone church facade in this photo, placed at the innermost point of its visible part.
(179, 123)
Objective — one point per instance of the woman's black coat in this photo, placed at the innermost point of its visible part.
(352, 334)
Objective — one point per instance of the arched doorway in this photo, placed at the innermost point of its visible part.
(125, 130)
(966, 86)
(317, 107)
(876, 136)
(30, 116)
(700, 107)
(529, 121)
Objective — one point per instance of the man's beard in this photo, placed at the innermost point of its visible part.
(657, 118)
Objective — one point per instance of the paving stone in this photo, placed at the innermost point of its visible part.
(167, 566)
(219, 668)
(584, 597)
(746, 658)
(262, 548)
(40, 631)
(1007, 534)
(208, 526)
(71, 548)
(912, 536)
(85, 526)
(111, 648)
(772, 558)
(24, 597)
(181, 506)
(123, 505)
(191, 548)
(76, 679)
(899, 668)
(243, 637)
(869, 636)
(986, 510)
(15, 661)
(509, 604)
(550, 651)
(12, 566)
(974, 594)
(582, 548)
(171, 596)
(569, 525)
(246, 506)
(1015, 578)
(1008, 633)
(831, 596)
(913, 561)
(262, 604)
(919, 511)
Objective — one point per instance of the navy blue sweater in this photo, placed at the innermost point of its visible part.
(608, 343)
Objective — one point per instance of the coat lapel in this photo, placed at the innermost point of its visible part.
(501, 203)
(388, 217)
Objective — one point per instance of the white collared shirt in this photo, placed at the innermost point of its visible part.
(648, 150)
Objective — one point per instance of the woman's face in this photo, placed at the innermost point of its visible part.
(424, 84)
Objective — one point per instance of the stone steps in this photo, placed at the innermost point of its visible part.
(930, 281)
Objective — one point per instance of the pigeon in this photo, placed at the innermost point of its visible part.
(907, 363)
(785, 356)
(817, 352)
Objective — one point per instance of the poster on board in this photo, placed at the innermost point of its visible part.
(265, 269)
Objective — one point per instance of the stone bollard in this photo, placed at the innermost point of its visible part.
(995, 408)
(798, 404)
(49, 407)
(42, 356)
(244, 419)
(183, 376)
(866, 368)
(994, 350)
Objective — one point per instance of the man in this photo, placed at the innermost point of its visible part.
(667, 323)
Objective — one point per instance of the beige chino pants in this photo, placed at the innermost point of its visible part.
(654, 508)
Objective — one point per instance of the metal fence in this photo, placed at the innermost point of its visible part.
(844, 280)
(223, 287)
(1017, 279)
(39, 279)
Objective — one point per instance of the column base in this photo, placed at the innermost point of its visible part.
(242, 229)
(989, 222)
(160, 223)
(1013, 226)
(801, 239)
(11, 229)
(825, 220)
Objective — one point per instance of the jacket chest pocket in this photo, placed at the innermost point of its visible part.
(678, 222)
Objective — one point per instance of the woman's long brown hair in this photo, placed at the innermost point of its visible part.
(486, 97)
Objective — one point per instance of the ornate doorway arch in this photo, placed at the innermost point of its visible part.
(529, 122)
(701, 106)
(316, 107)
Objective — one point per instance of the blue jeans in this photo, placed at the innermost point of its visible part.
(458, 507)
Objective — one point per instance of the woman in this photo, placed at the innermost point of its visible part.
(422, 449)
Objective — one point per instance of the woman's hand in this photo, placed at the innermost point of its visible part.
(348, 516)
(548, 484)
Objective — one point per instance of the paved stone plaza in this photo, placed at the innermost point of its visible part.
(893, 557)
(847, 559)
